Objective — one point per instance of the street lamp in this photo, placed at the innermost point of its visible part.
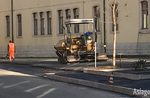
(12, 28)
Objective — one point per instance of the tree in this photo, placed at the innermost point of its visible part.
(115, 7)
(114, 39)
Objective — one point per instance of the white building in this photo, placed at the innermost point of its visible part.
(37, 25)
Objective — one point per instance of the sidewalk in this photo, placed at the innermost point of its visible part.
(96, 79)
(27, 60)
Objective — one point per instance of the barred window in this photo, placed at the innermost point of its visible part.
(35, 20)
(7, 26)
(19, 25)
(49, 23)
(97, 17)
(60, 16)
(144, 14)
(68, 16)
(42, 23)
(76, 16)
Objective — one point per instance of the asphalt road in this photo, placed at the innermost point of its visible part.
(49, 62)
(53, 63)
(22, 81)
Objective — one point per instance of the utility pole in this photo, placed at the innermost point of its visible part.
(104, 26)
(12, 28)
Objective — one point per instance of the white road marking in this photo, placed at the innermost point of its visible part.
(16, 84)
(69, 66)
(11, 73)
(32, 89)
(64, 68)
(1, 84)
(50, 73)
(45, 93)
(90, 64)
(78, 68)
(73, 64)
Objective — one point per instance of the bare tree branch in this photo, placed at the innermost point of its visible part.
(107, 10)
(111, 6)
(124, 17)
(122, 7)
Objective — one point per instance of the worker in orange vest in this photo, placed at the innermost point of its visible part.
(11, 50)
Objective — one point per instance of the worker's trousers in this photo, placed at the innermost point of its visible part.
(11, 55)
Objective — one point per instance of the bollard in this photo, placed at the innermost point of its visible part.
(120, 57)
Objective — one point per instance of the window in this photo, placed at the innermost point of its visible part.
(97, 17)
(68, 13)
(19, 25)
(68, 16)
(35, 20)
(49, 23)
(42, 22)
(76, 16)
(60, 14)
(144, 14)
(7, 26)
(116, 13)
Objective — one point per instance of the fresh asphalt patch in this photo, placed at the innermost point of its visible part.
(143, 84)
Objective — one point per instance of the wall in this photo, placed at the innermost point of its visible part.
(128, 27)
(42, 45)
(129, 41)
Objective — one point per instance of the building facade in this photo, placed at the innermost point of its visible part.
(38, 25)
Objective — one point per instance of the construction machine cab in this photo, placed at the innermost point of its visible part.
(77, 48)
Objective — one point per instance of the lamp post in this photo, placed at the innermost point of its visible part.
(12, 28)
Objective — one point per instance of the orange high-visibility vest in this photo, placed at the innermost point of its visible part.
(11, 47)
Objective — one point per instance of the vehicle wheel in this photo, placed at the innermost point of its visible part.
(59, 60)
(64, 60)
(141, 66)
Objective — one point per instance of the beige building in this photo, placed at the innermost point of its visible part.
(38, 25)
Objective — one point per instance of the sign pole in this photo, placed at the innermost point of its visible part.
(95, 54)
(95, 25)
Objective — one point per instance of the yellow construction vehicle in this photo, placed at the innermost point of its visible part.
(80, 48)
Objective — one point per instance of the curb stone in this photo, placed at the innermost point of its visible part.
(119, 89)
(118, 74)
